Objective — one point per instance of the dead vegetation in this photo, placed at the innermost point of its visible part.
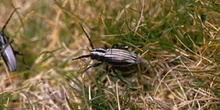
(178, 42)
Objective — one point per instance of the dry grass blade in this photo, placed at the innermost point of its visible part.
(178, 42)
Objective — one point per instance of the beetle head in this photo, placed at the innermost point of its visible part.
(98, 53)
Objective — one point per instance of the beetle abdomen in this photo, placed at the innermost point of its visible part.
(9, 57)
(121, 57)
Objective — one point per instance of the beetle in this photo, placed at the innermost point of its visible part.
(7, 52)
(119, 59)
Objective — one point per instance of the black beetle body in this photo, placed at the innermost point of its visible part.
(115, 57)
(119, 59)
(7, 51)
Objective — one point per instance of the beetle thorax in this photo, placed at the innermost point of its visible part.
(98, 53)
(3, 40)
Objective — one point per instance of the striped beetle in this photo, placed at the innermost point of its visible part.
(119, 59)
(7, 52)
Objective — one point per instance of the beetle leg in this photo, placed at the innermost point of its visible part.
(108, 71)
(105, 46)
(92, 65)
(23, 60)
(116, 75)
(18, 53)
(115, 46)
(83, 56)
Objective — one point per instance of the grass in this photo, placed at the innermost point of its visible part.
(178, 42)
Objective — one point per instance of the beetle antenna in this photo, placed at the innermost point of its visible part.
(88, 36)
(9, 19)
(19, 53)
(83, 56)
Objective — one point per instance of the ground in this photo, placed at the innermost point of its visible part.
(178, 42)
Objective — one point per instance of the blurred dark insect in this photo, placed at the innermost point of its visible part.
(7, 52)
